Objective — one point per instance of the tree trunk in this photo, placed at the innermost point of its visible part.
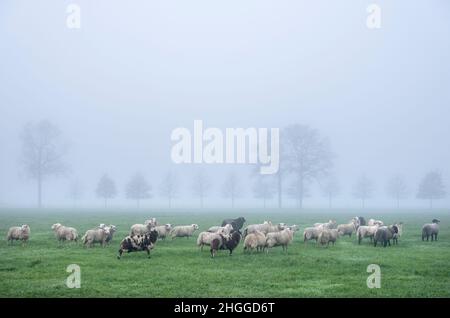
(39, 189)
(280, 190)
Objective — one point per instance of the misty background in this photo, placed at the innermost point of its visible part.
(119, 85)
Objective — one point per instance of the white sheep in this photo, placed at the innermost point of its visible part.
(266, 227)
(183, 231)
(282, 238)
(254, 240)
(151, 221)
(221, 229)
(141, 229)
(327, 236)
(163, 230)
(205, 238)
(98, 235)
(347, 229)
(366, 231)
(64, 233)
(331, 224)
(373, 222)
(16, 233)
(311, 233)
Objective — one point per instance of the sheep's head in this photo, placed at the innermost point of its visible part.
(55, 226)
(168, 226)
(241, 219)
(25, 227)
(435, 221)
(195, 226)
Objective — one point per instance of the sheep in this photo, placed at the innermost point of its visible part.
(328, 235)
(163, 230)
(65, 233)
(254, 240)
(266, 227)
(399, 233)
(98, 235)
(384, 234)
(16, 233)
(347, 229)
(331, 224)
(111, 229)
(282, 238)
(183, 231)
(430, 229)
(223, 229)
(222, 241)
(134, 243)
(311, 233)
(366, 231)
(295, 228)
(141, 229)
(237, 223)
(362, 220)
(373, 222)
(151, 221)
(205, 238)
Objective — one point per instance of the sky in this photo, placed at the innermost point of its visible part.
(134, 71)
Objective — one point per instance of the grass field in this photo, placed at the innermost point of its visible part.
(178, 269)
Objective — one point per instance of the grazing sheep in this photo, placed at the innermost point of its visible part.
(111, 229)
(98, 235)
(163, 230)
(282, 238)
(384, 234)
(347, 229)
(16, 233)
(431, 229)
(205, 238)
(64, 233)
(222, 229)
(254, 240)
(366, 231)
(134, 243)
(183, 231)
(237, 223)
(327, 236)
(331, 224)
(311, 233)
(141, 229)
(373, 222)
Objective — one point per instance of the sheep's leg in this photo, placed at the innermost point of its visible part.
(120, 254)
(148, 252)
(435, 237)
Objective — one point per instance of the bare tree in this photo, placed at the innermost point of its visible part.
(201, 186)
(42, 153)
(138, 189)
(397, 189)
(363, 189)
(169, 188)
(106, 189)
(75, 192)
(431, 187)
(231, 188)
(330, 189)
(307, 154)
(298, 191)
(264, 188)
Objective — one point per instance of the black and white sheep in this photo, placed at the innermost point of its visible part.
(135, 243)
(225, 242)
(430, 229)
(237, 223)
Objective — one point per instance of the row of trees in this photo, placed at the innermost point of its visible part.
(305, 158)
(264, 188)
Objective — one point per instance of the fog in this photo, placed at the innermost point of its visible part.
(118, 86)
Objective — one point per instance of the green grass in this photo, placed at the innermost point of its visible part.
(178, 269)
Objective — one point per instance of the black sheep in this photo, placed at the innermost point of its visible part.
(236, 223)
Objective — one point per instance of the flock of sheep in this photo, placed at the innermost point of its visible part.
(227, 236)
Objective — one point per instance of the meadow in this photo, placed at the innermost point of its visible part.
(178, 269)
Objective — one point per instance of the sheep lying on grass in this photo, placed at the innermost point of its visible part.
(18, 233)
(430, 229)
(64, 233)
(183, 231)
